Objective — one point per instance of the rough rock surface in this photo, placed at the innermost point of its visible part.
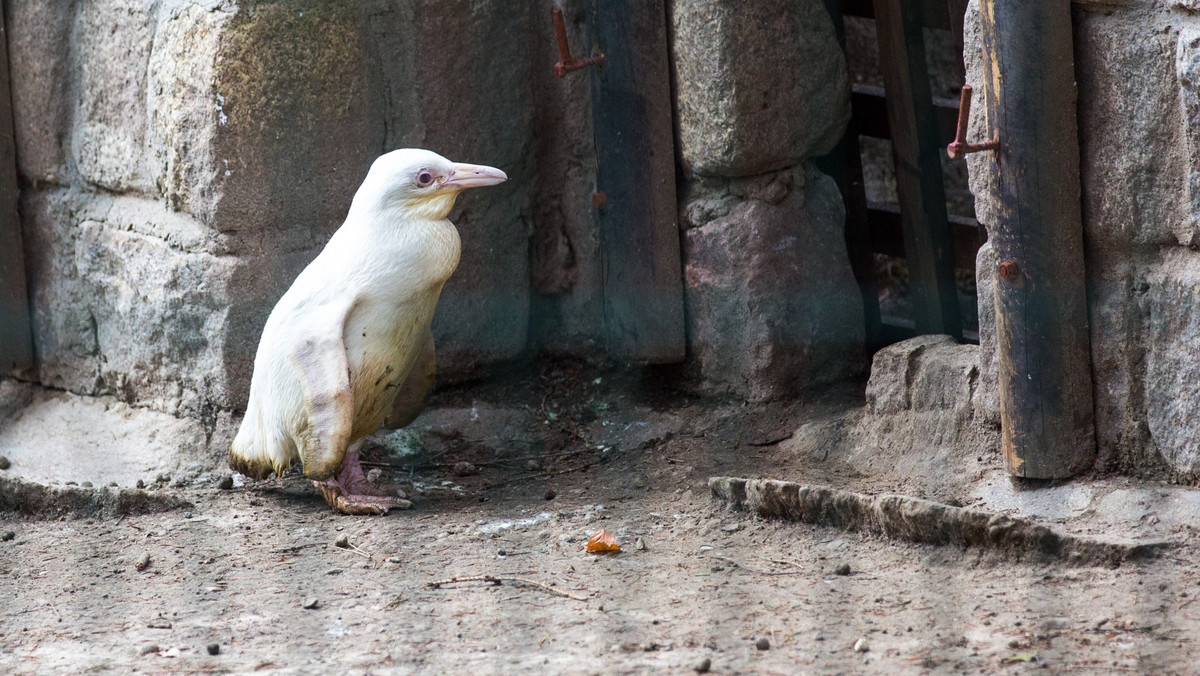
(759, 86)
(1172, 375)
(772, 306)
(986, 397)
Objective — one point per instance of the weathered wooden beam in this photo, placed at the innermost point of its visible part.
(1041, 312)
(635, 181)
(917, 150)
(16, 340)
(869, 106)
(887, 235)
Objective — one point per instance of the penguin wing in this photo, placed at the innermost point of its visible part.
(410, 400)
(319, 357)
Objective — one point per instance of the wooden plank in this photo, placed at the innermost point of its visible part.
(887, 235)
(844, 164)
(635, 174)
(869, 107)
(917, 152)
(934, 11)
(1041, 312)
(16, 337)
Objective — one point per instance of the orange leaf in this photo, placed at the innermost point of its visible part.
(603, 541)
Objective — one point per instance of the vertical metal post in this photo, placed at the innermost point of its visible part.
(16, 338)
(1041, 312)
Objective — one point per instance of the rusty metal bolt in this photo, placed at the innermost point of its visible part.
(1008, 270)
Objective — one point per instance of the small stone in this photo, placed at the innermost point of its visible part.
(464, 468)
(842, 569)
(533, 465)
(7, 535)
(163, 478)
(762, 644)
(861, 645)
(402, 495)
(343, 541)
(502, 552)
(87, 484)
(4, 463)
(550, 494)
(310, 603)
(226, 483)
(731, 528)
(143, 561)
(375, 475)
(140, 483)
(213, 648)
(640, 545)
(818, 636)
(703, 666)
(150, 649)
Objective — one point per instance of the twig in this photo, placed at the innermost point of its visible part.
(542, 475)
(499, 579)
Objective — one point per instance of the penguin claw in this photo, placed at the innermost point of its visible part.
(358, 503)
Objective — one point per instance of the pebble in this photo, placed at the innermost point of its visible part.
(7, 535)
(143, 561)
(213, 648)
(4, 463)
(640, 545)
(762, 644)
(818, 636)
(550, 494)
(703, 666)
(140, 483)
(533, 465)
(465, 468)
(87, 484)
(842, 569)
(861, 645)
(343, 541)
(375, 475)
(502, 552)
(150, 649)
(732, 528)
(226, 483)
(310, 603)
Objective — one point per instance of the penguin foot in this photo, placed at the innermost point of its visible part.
(349, 491)
(348, 502)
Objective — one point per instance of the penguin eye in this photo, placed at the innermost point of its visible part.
(424, 178)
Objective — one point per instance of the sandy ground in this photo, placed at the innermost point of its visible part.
(270, 580)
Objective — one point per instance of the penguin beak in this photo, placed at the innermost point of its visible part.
(464, 176)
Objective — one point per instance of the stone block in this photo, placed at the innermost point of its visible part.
(759, 86)
(39, 67)
(921, 391)
(1134, 187)
(111, 50)
(986, 398)
(1172, 376)
(772, 306)
(122, 313)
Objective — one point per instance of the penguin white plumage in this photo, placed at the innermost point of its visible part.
(349, 344)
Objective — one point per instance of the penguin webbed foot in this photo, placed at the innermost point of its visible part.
(349, 491)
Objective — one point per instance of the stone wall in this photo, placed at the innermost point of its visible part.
(182, 160)
(1138, 74)
(761, 88)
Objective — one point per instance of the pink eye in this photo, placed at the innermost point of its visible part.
(424, 178)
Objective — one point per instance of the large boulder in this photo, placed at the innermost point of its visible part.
(759, 86)
(772, 306)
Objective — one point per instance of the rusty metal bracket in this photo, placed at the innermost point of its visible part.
(960, 148)
(566, 62)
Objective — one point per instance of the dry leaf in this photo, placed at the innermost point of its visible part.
(602, 541)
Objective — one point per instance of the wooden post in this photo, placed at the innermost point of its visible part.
(1041, 312)
(634, 203)
(16, 337)
(917, 150)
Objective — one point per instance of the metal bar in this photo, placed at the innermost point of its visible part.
(1041, 312)
(635, 205)
(917, 152)
(16, 336)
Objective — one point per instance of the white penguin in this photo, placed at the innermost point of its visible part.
(349, 344)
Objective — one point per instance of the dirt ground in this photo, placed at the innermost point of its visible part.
(270, 580)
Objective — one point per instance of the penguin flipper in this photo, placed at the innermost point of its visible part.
(319, 357)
